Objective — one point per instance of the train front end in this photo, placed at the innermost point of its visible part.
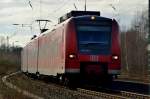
(92, 48)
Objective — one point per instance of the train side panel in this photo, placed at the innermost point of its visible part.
(51, 53)
(32, 56)
(43, 58)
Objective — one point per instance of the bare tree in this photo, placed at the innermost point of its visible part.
(134, 53)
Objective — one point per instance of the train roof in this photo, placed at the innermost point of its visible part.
(77, 13)
(98, 18)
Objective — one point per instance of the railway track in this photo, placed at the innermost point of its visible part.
(134, 87)
(134, 95)
(24, 92)
(93, 94)
(100, 94)
(80, 92)
(122, 95)
(105, 95)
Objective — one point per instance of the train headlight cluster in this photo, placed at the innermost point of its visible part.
(115, 57)
(72, 56)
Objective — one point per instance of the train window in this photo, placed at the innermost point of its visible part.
(94, 39)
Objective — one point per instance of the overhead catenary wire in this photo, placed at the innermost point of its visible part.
(32, 20)
(40, 13)
(53, 13)
(75, 6)
(114, 8)
(30, 4)
(40, 8)
(60, 7)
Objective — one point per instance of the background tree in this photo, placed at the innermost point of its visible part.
(134, 44)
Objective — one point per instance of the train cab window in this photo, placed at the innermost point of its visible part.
(93, 39)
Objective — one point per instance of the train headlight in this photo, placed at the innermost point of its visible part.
(115, 57)
(71, 56)
(93, 18)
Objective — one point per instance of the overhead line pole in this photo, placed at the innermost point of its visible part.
(85, 5)
(148, 46)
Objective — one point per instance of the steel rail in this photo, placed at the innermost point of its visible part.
(134, 95)
(122, 95)
(101, 94)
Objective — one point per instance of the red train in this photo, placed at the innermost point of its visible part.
(83, 46)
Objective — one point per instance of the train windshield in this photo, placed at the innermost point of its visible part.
(94, 39)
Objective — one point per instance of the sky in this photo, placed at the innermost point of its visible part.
(27, 11)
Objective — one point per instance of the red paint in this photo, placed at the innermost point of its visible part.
(96, 69)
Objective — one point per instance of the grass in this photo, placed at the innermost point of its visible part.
(7, 67)
(46, 90)
(8, 93)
